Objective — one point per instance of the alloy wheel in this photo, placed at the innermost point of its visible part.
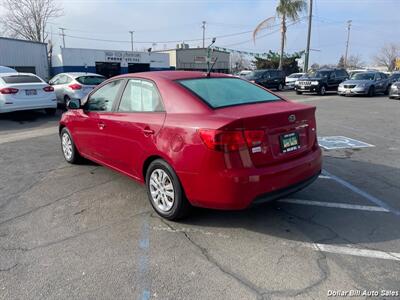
(67, 146)
(162, 190)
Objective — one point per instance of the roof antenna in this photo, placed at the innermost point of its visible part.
(209, 50)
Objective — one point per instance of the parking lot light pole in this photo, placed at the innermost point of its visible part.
(63, 35)
(204, 32)
(307, 54)
(131, 32)
(347, 43)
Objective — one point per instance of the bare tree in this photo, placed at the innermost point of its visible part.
(355, 62)
(28, 19)
(239, 62)
(387, 56)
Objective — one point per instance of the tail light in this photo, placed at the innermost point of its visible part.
(231, 140)
(48, 89)
(75, 86)
(8, 91)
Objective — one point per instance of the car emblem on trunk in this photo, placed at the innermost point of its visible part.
(292, 118)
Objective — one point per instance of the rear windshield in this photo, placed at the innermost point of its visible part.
(21, 79)
(222, 92)
(363, 76)
(90, 80)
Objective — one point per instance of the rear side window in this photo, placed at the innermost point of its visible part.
(222, 92)
(90, 80)
(140, 96)
(21, 79)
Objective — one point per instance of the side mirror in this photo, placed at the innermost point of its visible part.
(74, 104)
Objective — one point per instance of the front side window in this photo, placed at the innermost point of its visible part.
(222, 92)
(140, 96)
(104, 98)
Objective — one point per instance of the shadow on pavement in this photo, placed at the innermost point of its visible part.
(313, 223)
(28, 119)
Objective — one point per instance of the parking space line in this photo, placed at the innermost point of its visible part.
(362, 193)
(349, 250)
(324, 177)
(335, 205)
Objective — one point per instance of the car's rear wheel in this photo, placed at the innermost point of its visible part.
(371, 91)
(387, 90)
(165, 191)
(298, 93)
(50, 111)
(68, 147)
(279, 87)
(66, 100)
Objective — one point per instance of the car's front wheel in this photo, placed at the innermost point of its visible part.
(165, 191)
(322, 90)
(68, 147)
(279, 87)
(371, 91)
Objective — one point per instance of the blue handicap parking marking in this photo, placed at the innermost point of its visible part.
(341, 142)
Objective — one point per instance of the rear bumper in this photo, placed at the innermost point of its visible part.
(238, 189)
(5, 108)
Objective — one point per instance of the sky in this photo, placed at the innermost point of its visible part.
(162, 23)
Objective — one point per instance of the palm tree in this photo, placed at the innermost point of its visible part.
(287, 10)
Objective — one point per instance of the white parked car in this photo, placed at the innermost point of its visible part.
(26, 91)
(74, 85)
(291, 79)
(4, 69)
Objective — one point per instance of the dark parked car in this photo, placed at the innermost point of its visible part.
(321, 81)
(365, 83)
(268, 78)
(211, 141)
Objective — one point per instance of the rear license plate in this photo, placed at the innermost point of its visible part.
(289, 142)
(30, 92)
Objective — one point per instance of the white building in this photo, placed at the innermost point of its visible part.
(24, 56)
(107, 62)
(195, 59)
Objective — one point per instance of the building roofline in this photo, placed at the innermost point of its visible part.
(201, 48)
(21, 40)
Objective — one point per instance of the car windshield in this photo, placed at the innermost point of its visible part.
(90, 80)
(317, 74)
(222, 92)
(21, 79)
(254, 75)
(363, 76)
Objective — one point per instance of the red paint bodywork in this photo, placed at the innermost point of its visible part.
(209, 178)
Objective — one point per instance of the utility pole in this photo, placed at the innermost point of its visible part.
(131, 32)
(307, 54)
(347, 43)
(204, 32)
(63, 35)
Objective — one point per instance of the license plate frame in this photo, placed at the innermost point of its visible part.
(31, 92)
(289, 142)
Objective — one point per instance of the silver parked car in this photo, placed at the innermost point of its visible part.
(365, 83)
(395, 90)
(291, 79)
(69, 86)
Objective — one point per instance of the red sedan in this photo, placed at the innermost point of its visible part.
(195, 140)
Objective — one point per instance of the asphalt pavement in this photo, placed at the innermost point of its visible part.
(86, 232)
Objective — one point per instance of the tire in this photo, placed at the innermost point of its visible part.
(298, 93)
(66, 99)
(371, 91)
(68, 147)
(279, 87)
(50, 111)
(322, 91)
(165, 191)
(387, 90)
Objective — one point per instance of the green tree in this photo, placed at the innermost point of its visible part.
(273, 60)
(341, 62)
(286, 10)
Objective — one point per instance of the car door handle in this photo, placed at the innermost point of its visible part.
(101, 125)
(147, 131)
